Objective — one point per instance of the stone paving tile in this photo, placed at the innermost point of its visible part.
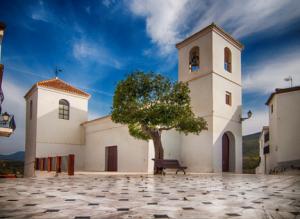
(147, 196)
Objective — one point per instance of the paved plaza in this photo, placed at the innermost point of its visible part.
(147, 196)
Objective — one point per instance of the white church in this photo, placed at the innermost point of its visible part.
(210, 61)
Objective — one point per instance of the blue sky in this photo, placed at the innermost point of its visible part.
(97, 43)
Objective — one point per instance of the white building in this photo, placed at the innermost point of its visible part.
(264, 151)
(209, 60)
(284, 123)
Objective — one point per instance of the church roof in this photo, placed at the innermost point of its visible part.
(60, 85)
(205, 30)
(97, 119)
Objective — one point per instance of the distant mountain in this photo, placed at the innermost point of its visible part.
(250, 152)
(15, 156)
(251, 144)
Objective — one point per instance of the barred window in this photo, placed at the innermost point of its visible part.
(64, 109)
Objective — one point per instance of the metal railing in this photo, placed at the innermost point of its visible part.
(8, 123)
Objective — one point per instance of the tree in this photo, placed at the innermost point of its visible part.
(150, 103)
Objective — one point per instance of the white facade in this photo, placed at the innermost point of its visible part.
(132, 154)
(208, 88)
(284, 125)
(90, 141)
(264, 152)
(49, 136)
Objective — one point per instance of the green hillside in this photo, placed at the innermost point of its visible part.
(250, 152)
(12, 163)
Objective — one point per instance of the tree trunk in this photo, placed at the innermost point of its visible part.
(159, 151)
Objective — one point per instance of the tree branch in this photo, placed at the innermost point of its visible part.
(166, 128)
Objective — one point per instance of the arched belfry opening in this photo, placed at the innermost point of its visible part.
(228, 152)
(227, 60)
(194, 59)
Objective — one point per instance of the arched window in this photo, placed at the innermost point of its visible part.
(64, 109)
(194, 62)
(227, 59)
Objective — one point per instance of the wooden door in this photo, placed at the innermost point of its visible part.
(111, 158)
(225, 153)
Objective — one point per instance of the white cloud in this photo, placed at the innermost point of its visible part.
(83, 50)
(256, 122)
(14, 103)
(39, 13)
(247, 17)
(169, 21)
(269, 74)
(108, 3)
(163, 20)
(95, 115)
(89, 51)
(88, 9)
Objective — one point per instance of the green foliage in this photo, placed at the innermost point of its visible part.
(136, 131)
(11, 167)
(251, 162)
(150, 102)
(250, 152)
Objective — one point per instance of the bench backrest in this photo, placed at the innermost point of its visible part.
(166, 163)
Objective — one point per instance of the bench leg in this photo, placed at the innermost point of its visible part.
(180, 170)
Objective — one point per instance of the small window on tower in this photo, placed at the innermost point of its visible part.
(228, 98)
(194, 62)
(30, 110)
(64, 109)
(272, 108)
(227, 59)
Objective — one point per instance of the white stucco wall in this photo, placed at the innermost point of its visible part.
(171, 141)
(272, 161)
(218, 46)
(132, 153)
(205, 45)
(208, 87)
(200, 153)
(222, 126)
(53, 150)
(51, 129)
(226, 118)
(261, 167)
(288, 126)
(284, 128)
(30, 135)
(49, 136)
(264, 165)
(196, 150)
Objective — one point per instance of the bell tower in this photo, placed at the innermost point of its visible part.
(210, 62)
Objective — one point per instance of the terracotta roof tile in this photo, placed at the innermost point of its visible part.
(60, 85)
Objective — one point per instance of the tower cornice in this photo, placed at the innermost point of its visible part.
(215, 28)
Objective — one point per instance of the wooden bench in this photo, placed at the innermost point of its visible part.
(168, 164)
